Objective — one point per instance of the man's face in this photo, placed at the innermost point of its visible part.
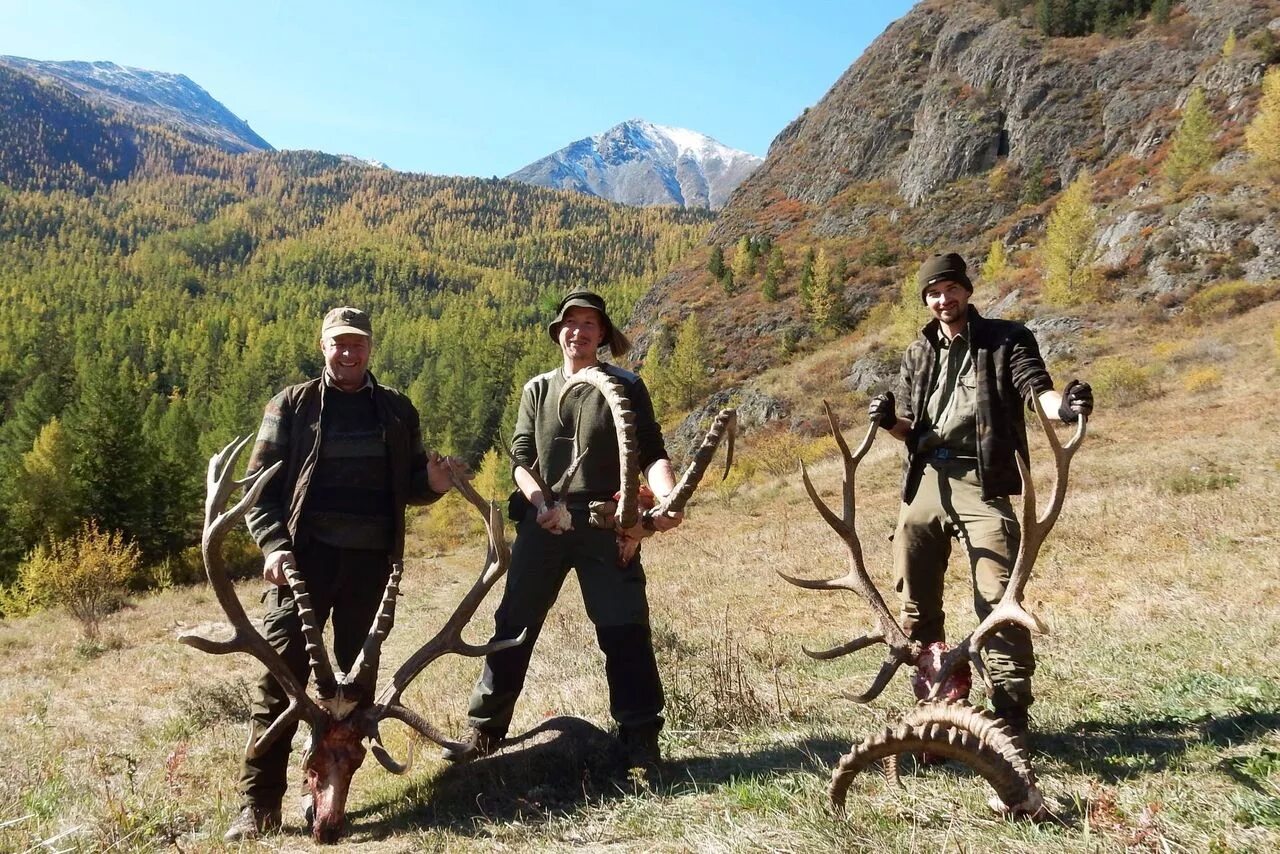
(947, 301)
(581, 333)
(347, 358)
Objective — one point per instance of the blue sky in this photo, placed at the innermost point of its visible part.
(472, 88)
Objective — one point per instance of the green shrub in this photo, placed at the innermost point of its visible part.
(1197, 479)
(1118, 380)
(1228, 299)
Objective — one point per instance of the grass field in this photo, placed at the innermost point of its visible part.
(1159, 707)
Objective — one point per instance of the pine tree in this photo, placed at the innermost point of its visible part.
(907, 314)
(1192, 149)
(825, 294)
(728, 283)
(1069, 279)
(1263, 134)
(997, 262)
(44, 508)
(1229, 46)
(773, 275)
(688, 365)
(1160, 11)
(715, 264)
(743, 262)
(806, 277)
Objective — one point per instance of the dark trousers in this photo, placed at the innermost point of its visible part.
(616, 605)
(948, 502)
(345, 583)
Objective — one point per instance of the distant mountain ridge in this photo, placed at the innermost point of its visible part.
(641, 163)
(149, 97)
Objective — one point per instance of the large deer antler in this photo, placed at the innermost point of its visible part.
(902, 650)
(345, 714)
(1009, 610)
(449, 638)
(246, 638)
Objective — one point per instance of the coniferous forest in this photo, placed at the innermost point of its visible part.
(155, 293)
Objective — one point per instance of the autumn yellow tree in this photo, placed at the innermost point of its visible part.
(907, 314)
(1068, 277)
(1192, 150)
(997, 262)
(1263, 134)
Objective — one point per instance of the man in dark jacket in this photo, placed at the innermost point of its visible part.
(962, 388)
(545, 550)
(353, 460)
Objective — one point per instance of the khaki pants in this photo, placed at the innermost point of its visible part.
(948, 503)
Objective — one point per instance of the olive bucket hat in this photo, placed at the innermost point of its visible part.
(948, 267)
(618, 343)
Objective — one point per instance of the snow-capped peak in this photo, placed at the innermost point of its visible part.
(638, 162)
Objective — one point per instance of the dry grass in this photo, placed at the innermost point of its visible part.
(1158, 712)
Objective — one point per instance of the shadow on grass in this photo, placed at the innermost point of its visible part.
(1114, 751)
(567, 764)
(564, 765)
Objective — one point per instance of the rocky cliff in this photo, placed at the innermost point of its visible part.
(956, 127)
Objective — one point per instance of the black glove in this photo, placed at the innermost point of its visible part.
(1077, 397)
(881, 410)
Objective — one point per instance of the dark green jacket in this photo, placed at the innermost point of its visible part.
(1008, 367)
(290, 431)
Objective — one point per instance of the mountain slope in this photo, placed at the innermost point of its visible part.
(955, 129)
(149, 97)
(640, 163)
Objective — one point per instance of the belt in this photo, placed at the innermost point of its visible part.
(946, 455)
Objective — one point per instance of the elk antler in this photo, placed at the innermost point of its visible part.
(1009, 610)
(957, 731)
(448, 639)
(246, 638)
(624, 422)
(902, 650)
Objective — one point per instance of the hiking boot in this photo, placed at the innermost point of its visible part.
(642, 749)
(253, 822)
(476, 744)
(1017, 720)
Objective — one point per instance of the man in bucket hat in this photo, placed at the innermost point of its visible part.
(961, 388)
(544, 550)
(353, 459)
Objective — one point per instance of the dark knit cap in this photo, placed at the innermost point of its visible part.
(948, 267)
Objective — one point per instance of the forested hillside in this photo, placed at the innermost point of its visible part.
(155, 293)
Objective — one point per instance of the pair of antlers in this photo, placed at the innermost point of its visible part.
(1009, 610)
(338, 695)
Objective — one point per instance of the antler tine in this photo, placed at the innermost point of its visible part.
(1035, 528)
(901, 648)
(726, 421)
(563, 482)
(449, 638)
(246, 637)
(624, 423)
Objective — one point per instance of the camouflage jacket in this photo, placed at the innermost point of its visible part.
(1008, 367)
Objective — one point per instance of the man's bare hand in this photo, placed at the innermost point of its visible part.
(555, 519)
(274, 566)
(441, 470)
(667, 521)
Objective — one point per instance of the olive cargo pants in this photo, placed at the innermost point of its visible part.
(616, 604)
(948, 502)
